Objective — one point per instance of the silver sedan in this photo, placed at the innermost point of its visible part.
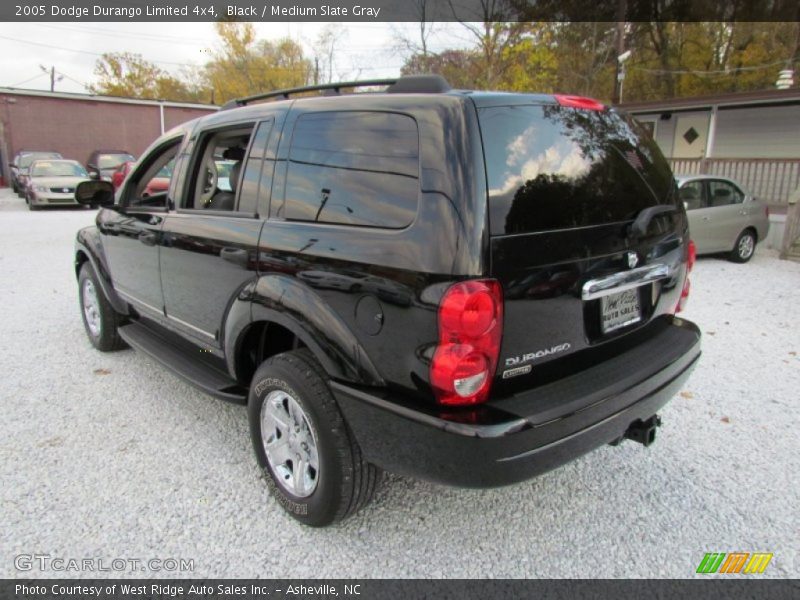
(723, 217)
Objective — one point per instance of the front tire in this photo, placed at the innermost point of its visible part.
(312, 463)
(745, 247)
(100, 320)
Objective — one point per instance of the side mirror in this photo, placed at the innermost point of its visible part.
(94, 175)
(95, 193)
(14, 165)
(685, 205)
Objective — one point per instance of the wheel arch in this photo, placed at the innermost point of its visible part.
(86, 250)
(277, 313)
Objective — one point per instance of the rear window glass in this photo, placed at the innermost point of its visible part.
(112, 161)
(354, 168)
(57, 169)
(26, 159)
(551, 167)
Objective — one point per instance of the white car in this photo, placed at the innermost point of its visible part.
(53, 182)
(723, 217)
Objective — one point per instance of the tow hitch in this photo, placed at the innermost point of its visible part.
(643, 432)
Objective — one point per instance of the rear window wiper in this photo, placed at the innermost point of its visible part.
(642, 222)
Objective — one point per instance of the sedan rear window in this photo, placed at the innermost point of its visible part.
(552, 167)
(58, 169)
(26, 159)
(112, 161)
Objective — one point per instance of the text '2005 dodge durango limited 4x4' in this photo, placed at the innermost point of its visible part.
(467, 287)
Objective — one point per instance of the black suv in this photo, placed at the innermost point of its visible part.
(468, 287)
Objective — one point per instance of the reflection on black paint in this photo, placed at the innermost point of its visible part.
(557, 168)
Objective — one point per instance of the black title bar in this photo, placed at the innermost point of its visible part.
(460, 589)
(399, 10)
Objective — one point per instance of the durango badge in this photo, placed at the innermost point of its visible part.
(531, 356)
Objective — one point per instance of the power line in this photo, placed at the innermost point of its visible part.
(115, 33)
(163, 62)
(37, 76)
(710, 72)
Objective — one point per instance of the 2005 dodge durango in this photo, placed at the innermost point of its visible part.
(468, 287)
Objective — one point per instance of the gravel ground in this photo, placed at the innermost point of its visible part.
(110, 456)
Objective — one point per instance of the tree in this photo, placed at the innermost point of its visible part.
(460, 68)
(493, 36)
(129, 75)
(325, 48)
(243, 66)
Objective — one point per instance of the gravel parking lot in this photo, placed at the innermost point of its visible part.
(111, 456)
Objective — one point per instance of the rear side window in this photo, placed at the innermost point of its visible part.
(354, 168)
(722, 193)
(551, 167)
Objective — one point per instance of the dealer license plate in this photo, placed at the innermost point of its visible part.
(620, 310)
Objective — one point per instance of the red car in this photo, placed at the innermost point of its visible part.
(158, 184)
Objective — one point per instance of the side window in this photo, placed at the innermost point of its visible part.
(217, 169)
(354, 168)
(257, 178)
(722, 193)
(151, 180)
(692, 195)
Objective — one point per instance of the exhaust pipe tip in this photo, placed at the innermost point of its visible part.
(643, 432)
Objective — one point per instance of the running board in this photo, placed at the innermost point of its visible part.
(205, 377)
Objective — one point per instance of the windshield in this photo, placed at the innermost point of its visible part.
(58, 169)
(26, 159)
(551, 167)
(112, 161)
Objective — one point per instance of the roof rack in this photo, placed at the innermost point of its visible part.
(403, 85)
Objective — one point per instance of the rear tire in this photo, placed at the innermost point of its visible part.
(100, 320)
(745, 247)
(315, 468)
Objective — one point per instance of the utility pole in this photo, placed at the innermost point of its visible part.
(52, 72)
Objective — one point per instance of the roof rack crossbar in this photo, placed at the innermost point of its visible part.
(336, 87)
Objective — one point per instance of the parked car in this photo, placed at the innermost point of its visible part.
(53, 182)
(101, 164)
(723, 217)
(270, 294)
(19, 167)
(159, 183)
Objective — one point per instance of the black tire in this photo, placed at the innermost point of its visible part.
(346, 481)
(106, 338)
(745, 247)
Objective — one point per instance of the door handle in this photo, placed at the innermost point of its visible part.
(706, 218)
(147, 238)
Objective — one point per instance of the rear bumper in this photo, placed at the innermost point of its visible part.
(543, 428)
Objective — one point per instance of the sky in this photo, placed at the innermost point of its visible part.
(368, 50)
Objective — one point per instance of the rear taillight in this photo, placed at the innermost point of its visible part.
(692, 257)
(470, 329)
(579, 102)
(687, 286)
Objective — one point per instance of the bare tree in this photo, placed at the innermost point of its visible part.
(325, 48)
(494, 34)
(425, 29)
